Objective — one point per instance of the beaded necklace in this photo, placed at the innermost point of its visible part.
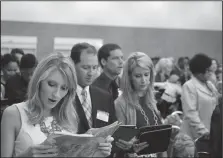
(50, 129)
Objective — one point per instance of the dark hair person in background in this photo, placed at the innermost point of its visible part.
(110, 57)
(17, 53)
(9, 68)
(199, 98)
(182, 69)
(16, 86)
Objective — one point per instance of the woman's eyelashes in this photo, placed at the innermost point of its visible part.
(64, 88)
(51, 83)
(54, 84)
(140, 75)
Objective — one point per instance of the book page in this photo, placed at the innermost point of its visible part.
(107, 130)
(76, 146)
(81, 145)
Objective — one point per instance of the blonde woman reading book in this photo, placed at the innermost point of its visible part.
(137, 105)
(49, 109)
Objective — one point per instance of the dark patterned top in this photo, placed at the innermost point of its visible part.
(140, 121)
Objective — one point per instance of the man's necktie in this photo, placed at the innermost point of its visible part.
(114, 88)
(86, 106)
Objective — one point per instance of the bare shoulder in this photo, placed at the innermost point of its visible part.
(11, 115)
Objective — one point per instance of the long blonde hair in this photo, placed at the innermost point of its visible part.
(64, 111)
(142, 60)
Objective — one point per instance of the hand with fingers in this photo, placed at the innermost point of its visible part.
(106, 147)
(124, 145)
(132, 146)
(42, 150)
(138, 146)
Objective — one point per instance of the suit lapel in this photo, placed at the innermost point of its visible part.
(84, 126)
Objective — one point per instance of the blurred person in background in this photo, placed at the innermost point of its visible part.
(219, 80)
(2, 86)
(16, 86)
(213, 68)
(163, 68)
(183, 146)
(182, 69)
(9, 68)
(199, 98)
(17, 53)
(169, 100)
(155, 60)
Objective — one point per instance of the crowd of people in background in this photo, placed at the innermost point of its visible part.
(139, 90)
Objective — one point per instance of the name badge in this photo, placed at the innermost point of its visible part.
(102, 115)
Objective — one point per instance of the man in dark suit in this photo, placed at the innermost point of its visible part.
(110, 57)
(94, 106)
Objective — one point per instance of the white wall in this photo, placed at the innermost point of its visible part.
(201, 15)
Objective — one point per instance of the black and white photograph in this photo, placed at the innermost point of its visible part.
(114, 79)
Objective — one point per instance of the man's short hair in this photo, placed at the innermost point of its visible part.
(104, 51)
(17, 50)
(78, 48)
(28, 61)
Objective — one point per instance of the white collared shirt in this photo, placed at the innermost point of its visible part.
(79, 90)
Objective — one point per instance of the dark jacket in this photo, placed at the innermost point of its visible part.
(105, 83)
(16, 89)
(216, 131)
(101, 101)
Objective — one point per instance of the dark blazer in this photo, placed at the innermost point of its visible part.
(104, 82)
(100, 100)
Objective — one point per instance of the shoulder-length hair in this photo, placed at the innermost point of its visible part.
(137, 59)
(64, 111)
(163, 64)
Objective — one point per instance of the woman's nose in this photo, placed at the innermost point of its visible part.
(57, 93)
(143, 79)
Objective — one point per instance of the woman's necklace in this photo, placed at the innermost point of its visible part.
(145, 116)
(50, 129)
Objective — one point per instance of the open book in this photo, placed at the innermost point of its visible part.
(81, 145)
(157, 137)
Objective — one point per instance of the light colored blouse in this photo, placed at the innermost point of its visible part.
(198, 103)
(29, 134)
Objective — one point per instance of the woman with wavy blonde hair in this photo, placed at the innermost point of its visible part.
(137, 105)
(25, 126)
